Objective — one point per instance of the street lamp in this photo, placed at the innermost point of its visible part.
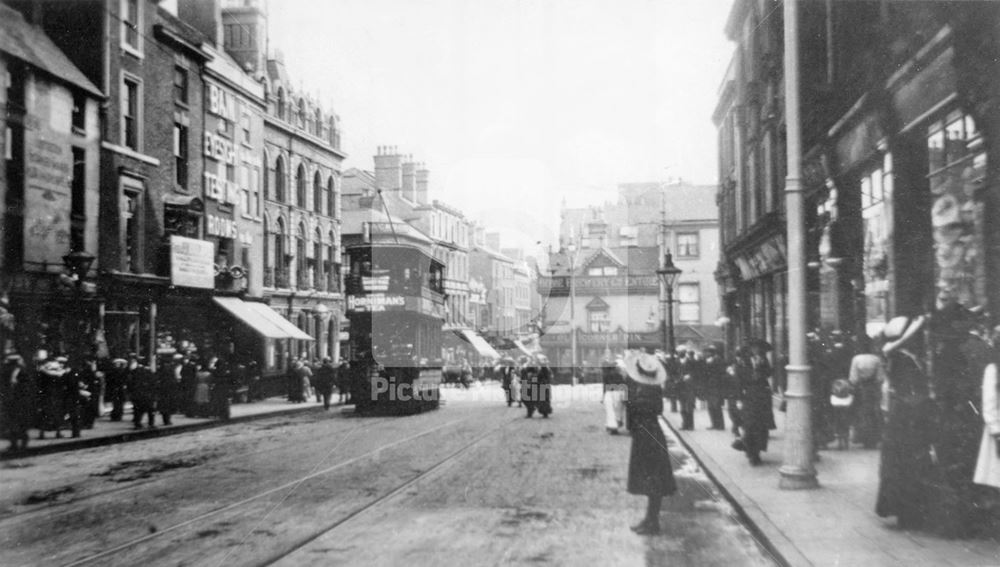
(668, 277)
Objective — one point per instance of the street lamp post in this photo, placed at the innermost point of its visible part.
(668, 277)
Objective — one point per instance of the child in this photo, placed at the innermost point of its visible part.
(841, 402)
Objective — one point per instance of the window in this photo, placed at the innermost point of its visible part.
(131, 119)
(331, 191)
(245, 127)
(244, 185)
(131, 224)
(254, 182)
(131, 17)
(180, 84)
(78, 200)
(281, 103)
(279, 180)
(687, 245)
(302, 113)
(689, 303)
(300, 186)
(318, 123)
(598, 321)
(181, 155)
(79, 111)
(603, 271)
(317, 193)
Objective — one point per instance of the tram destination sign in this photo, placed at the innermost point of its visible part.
(375, 302)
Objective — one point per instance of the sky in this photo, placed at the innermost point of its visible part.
(517, 105)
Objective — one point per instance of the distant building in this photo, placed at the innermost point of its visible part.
(602, 285)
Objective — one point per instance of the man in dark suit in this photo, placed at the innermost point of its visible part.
(714, 385)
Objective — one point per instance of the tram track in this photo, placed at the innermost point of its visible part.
(104, 557)
(55, 509)
(450, 458)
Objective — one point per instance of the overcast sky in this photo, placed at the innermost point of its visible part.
(517, 104)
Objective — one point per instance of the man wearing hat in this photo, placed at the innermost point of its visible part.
(714, 378)
(649, 469)
(170, 385)
(17, 401)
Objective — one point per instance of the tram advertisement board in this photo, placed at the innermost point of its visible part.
(375, 302)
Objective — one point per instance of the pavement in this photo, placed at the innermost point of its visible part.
(833, 525)
(107, 432)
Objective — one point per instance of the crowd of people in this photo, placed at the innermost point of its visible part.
(306, 380)
(52, 394)
(527, 383)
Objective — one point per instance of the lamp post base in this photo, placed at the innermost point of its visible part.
(794, 478)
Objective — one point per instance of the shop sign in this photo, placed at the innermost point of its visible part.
(375, 283)
(222, 103)
(227, 228)
(374, 303)
(191, 262)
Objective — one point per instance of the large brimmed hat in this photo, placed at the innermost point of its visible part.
(644, 368)
(900, 330)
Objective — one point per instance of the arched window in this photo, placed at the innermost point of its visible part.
(318, 193)
(279, 180)
(334, 202)
(268, 260)
(280, 256)
(300, 186)
(318, 260)
(302, 113)
(318, 123)
(300, 256)
(333, 264)
(281, 103)
(267, 179)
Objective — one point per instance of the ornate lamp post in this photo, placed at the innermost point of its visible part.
(668, 277)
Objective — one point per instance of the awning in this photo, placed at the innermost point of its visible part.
(478, 343)
(262, 319)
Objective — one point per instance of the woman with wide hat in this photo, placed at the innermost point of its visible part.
(906, 459)
(649, 469)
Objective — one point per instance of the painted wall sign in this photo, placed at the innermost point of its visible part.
(227, 228)
(192, 262)
(47, 201)
(374, 303)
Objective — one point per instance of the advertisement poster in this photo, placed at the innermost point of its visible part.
(191, 262)
(47, 201)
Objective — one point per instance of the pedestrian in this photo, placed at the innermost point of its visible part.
(714, 387)
(544, 387)
(507, 371)
(867, 377)
(763, 374)
(841, 412)
(732, 395)
(529, 388)
(90, 377)
(690, 376)
(613, 377)
(326, 375)
(17, 401)
(170, 383)
(221, 387)
(344, 382)
(906, 462)
(755, 405)
(254, 384)
(73, 393)
(303, 375)
(649, 469)
(51, 394)
(988, 462)
(116, 379)
(201, 406)
(189, 384)
(142, 390)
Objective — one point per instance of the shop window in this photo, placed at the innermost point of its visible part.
(876, 192)
(687, 245)
(689, 303)
(957, 169)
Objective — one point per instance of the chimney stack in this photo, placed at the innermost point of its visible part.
(409, 179)
(388, 169)
(421, 189)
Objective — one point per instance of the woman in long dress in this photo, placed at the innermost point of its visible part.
(988, 463)
(906, 462)
(867, 376)
(649, 469)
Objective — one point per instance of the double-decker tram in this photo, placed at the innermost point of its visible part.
(395, 310)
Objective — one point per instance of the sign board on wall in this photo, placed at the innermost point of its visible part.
(48, 171)
(192, 262)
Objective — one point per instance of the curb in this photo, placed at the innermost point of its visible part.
(143, 434)
(769, 536)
